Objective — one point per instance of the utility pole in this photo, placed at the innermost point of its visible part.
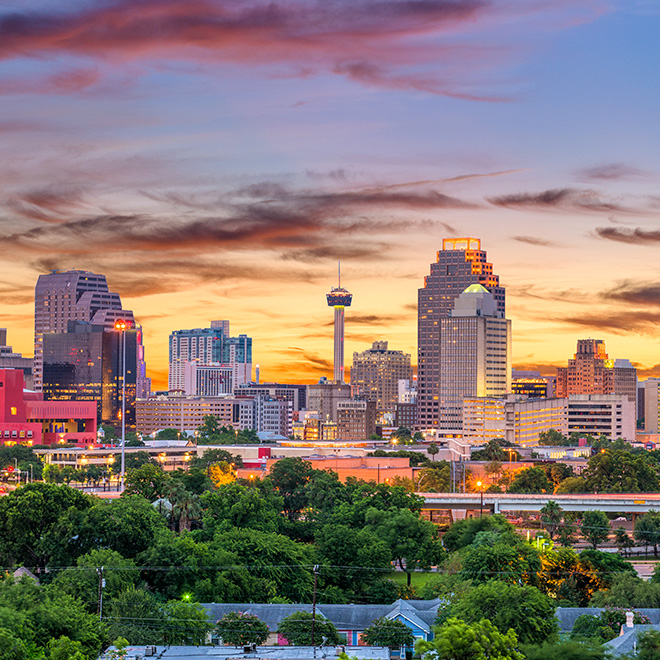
(316, 575)
(101, 585)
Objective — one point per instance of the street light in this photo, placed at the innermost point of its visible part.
(481, 506)
(122, 326)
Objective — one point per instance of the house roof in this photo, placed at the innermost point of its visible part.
(344, 617)
(568, 615)
(627, 642)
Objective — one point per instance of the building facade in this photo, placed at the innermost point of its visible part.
(186, 413)
(86, 364)
(376, 372)
(78, 295)
(591, 371)
(324, 397)
(514, 418)
(210, 347)
(649, 405)
(25, 418)
(356, 420)
(475, 343)
(612, 415)
(11, 360)
(297, 394)
(460, 263)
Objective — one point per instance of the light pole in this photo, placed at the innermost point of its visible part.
(121, 326)
(481, 505)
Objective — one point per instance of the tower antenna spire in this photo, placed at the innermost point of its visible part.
(339, 272)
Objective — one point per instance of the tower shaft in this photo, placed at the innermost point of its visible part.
(339, 344)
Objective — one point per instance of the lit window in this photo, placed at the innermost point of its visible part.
(13, 410)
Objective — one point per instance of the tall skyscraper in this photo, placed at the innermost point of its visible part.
(77, 295)
(210, 347)
(591, 371)
(375, 375)
(460, 263)
(475, 343)
(339, 298)
(86, 364)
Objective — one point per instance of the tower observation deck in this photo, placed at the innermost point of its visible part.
(339, 298)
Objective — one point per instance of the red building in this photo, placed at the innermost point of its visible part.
(27, 419)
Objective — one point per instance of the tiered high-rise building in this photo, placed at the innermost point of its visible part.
(85, 364)
(376, 372)
(73, 295)
(591, 371)
(460, 263)
(475, 343)
(209, 347)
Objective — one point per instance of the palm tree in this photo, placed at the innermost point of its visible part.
(551, 515)
(186, 507)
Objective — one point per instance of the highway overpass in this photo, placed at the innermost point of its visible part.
(636, 503)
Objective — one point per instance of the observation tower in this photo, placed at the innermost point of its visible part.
(339, 298)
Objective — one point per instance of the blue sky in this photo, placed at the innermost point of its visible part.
(215, 159)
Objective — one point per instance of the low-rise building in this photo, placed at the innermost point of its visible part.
(25, 418)
(612, 415)
(356, 420)
(516, 419)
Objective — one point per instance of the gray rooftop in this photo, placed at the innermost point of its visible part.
(568, 615)
(344, 617)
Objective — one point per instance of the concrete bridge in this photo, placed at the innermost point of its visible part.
(635, 503)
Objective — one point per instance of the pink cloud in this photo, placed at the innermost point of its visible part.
(396, 44)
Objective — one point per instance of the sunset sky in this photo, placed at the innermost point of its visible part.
(215, 159)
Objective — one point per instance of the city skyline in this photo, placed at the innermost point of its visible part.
(220, 170)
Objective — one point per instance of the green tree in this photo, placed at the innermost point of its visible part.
(524, 609)
(234, 505)
(572, 485)
(551, 517)
(290, 476)
(557, 472)
(433, 450)
(136, 615)
(628, 590)
(297, 629)
(186, 623)
(567, 650)
(344, 552)
(568, 577)
(481, 640)
(27, 518)
(553, 438)
(12, 647)
(186, 506)
(136, 459)
(128, 525)
(531, 480)
(567, 533)
(647, 530)
(648, 645)
(65, 649)
(463, 532)
(501, 561)
(410, 539)
(388, 632)
(83, 581)
(211, 456)
(435, 479)
(619, 471)
(283, 562)
(605, 626)
(595, 527)
(622, 540)
(149, 481)
(238, 628)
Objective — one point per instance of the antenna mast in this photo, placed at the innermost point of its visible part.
(339, 272)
